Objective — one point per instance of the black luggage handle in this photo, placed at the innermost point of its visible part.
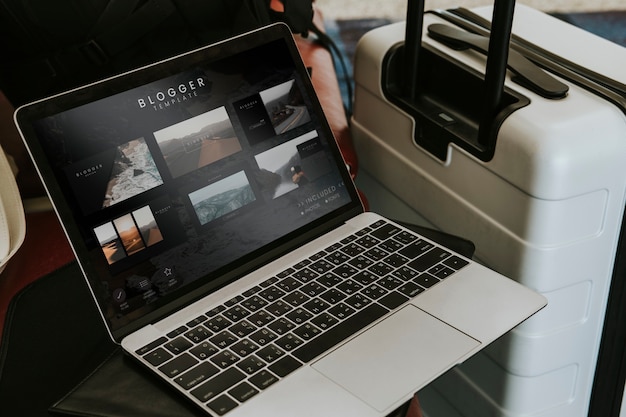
(495, 74)
(497, 57)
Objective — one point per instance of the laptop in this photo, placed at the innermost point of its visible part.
(227, 249)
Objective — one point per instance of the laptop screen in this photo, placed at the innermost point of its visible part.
(175, 179)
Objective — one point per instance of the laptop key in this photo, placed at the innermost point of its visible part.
(341, 311)
(395, 260)
(441, 271)
(244, 348)
(218, 323)
(329, 279)
(178, 345)
(358, 301)
(385, 231)
(158, 356)
(263, 336)
(333, 296)
(289, 284)
(198, 334)
(270, 353)
(365, 277)
(381, 269)
(178, 365)
(416, 249)
(352, 249)
(324, 321)
(224, 359)
(390, 282)
(429, 259)
(307, 331)
(296, 298)
(236, 313)
(376, 254)
(405, 273)
(281, 326)
(455, 262)
(197, 321)
(410, 289)
(177, 332)
(263, 379)
(405, 237)
(305, 275)
(215, 311)
(391, 245)
(203, 350)
(243, 392)
(222, 405)
(242, 329)
(147, 348)
(289, 342)
(285, 366)
(368, 241)
(299, 316)
(223, 339)
(261, 318)
(316, 306)
(426, 280)
(196, 375)
(218, 384)
(254, 303)
(393, 300)
(374, 291)
(340, 332)
(278, 308)
(345, 271)
(272, 293)
(349, 287)
(251, 365)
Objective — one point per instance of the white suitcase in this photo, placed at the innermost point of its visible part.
(544, 205)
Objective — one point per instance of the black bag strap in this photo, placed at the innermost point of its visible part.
(298, 14)
(119, 28)
(115, 10)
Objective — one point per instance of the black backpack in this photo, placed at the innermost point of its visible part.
(47, 46)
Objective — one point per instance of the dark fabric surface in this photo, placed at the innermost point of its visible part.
(52, 339)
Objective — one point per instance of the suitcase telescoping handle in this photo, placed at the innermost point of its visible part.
(497, 58)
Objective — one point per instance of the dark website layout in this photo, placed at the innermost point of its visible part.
(174, 180)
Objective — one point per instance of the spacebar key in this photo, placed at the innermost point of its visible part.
(337, 334)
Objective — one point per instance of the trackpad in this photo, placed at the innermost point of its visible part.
(398, 355)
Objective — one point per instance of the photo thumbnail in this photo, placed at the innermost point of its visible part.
(128, 234)
(222, 197)
(291, 165)
(272, 112)
(113, 176)
(197, 142)
(285, 105)
(254, 119)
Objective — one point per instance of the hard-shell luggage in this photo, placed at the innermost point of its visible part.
(534, 173)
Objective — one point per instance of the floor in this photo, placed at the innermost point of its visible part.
(396, 9)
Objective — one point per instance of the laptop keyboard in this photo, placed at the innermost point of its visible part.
(236, 350)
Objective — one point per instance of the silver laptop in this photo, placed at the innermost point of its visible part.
(227, 249)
